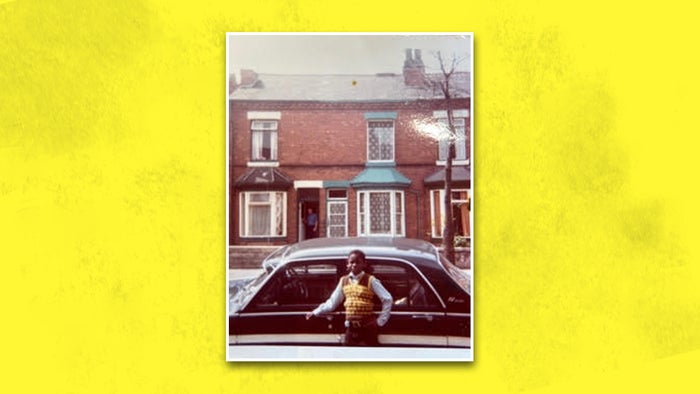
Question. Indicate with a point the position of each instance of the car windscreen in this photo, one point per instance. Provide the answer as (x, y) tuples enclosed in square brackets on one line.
[(241, 290), (458, 275)]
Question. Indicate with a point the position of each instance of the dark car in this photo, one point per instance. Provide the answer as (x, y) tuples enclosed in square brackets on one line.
[(432, 300)]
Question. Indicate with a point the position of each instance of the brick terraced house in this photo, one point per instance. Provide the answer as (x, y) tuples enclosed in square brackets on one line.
[(350, 148)]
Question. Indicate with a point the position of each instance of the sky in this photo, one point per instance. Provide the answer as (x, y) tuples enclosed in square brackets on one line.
[(325, 53)]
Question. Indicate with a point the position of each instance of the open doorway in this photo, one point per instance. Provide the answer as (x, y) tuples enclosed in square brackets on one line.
[(309, 215)]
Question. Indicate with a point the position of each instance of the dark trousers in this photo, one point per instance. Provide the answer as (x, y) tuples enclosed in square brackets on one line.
[(310, 233), (362, 334)]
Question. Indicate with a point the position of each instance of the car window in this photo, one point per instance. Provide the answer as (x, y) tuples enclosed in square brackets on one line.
[(406, 287), (298, 285)]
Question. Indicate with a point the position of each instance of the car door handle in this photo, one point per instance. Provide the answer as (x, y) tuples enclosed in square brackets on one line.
[(423, 317)]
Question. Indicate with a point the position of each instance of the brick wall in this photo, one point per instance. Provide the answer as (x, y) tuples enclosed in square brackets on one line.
[(333, 136), (328, 141), (248, 256)]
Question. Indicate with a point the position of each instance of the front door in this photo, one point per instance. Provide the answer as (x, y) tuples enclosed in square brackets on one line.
[(337, 223), (308, 205)]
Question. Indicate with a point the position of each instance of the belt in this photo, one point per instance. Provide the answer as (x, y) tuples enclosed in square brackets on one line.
[(358, 323)]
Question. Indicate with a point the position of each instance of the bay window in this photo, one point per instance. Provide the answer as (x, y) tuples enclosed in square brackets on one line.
[(381, 213), (461, 207), (263, 214)]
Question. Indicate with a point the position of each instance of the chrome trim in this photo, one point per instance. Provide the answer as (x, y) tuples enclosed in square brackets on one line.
[(339, 313), (416, 340), (408, 313), (289, 313), (454, 341), (408, 340), (288, 338)]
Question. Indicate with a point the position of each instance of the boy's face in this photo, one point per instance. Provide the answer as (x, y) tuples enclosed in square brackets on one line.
[(356, 264)]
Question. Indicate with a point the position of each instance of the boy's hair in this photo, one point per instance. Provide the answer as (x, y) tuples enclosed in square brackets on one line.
[(360, 254)]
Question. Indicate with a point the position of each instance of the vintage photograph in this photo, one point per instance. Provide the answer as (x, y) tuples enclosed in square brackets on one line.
[(350, 210)]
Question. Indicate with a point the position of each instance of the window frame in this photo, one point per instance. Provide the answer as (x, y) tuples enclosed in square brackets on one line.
[(441, 117), (245, 215), (274, 283), (336, 200), (274, 141), (459, 143), (393, 141), (436, 225), (434, 301), (364, 223), (411, 272)]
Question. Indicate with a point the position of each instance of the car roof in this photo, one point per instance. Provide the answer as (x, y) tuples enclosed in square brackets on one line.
[(419, 252)]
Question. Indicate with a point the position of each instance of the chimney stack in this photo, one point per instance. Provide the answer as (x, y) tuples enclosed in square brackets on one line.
[(248, 78), (413, 68)]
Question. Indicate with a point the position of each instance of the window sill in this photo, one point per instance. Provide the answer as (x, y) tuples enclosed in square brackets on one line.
[(263, 164), (263, 237), (381, 235), (380, 163), (442, 163)]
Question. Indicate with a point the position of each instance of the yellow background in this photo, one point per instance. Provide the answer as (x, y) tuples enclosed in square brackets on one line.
[(112, 178)]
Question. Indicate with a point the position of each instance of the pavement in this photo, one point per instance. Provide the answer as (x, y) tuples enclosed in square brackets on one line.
[(344, 353)]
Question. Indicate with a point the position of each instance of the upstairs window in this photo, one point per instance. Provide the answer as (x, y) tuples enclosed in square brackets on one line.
[(380, 140), (460, 140), (264, 140)]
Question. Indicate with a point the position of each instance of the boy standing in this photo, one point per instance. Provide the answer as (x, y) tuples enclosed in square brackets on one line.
[(358, 288)]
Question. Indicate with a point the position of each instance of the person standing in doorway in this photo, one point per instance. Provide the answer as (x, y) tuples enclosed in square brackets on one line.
[(311, 222)]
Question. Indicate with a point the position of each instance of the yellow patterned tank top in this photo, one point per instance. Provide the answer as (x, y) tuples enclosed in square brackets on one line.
[(358, 297)]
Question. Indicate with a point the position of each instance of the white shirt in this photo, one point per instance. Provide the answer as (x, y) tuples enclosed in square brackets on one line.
[(337, 297)]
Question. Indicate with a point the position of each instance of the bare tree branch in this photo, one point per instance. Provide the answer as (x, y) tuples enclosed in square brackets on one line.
[(448, 233)]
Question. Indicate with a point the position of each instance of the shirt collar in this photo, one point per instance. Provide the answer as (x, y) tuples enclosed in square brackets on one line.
[(356, 277)]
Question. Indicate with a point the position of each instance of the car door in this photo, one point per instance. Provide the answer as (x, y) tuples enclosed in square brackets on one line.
[(277, 313), (417, 314)]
